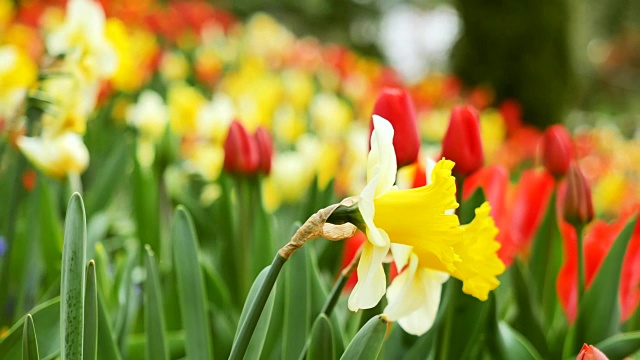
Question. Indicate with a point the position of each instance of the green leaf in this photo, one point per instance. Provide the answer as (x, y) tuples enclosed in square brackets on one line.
[(368, 341), (321, 342), (620, 346), (106, 337), (599, 311), (156, 347), (72, 284), (46, 320), (462, 312), (190, 287), (504, 343), (260, 333), (516, 346), (297, 305), (145, 207), (124, 286), (112, 171), (527, 320), (29, 340), (90, 344), (545, 262)]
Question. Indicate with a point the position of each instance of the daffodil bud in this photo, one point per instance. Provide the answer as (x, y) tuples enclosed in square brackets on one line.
[(590, 352), (396, 106), (240, 151), (265, 150), (462, 143), (578, 207), (557, 150)]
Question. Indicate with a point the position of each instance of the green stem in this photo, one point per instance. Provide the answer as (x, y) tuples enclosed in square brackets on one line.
[(248, 326), (245, 225)]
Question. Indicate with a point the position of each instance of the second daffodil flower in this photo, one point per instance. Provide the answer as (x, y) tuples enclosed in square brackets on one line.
[(425, 238)]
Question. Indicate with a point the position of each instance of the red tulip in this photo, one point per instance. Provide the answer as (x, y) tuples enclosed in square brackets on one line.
[(525, 212), (493, 180), (590, 352), (578, 207), (396, 106), (557, 150), (598, 239), (265, 150), (240, 151), (462, 143)]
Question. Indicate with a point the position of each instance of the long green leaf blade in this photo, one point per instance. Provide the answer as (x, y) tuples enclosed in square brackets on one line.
[(599, 310), (29, 341), (256, 343), (156, 345), (368, 341), (72, 284), (620, 346), (321, 343), (190, 288), (90, 344)]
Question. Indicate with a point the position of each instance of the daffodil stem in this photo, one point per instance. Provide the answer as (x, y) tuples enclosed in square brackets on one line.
[(248, 326), (581, 266)]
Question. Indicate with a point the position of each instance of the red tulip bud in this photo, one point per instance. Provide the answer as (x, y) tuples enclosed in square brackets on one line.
[(265, 150), (578, 208), (462, 143), (557, 150), (396, 106), (240, 151), (590, 352)]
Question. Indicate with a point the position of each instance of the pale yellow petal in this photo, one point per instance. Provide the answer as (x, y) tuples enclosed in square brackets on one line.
[(372, 282)]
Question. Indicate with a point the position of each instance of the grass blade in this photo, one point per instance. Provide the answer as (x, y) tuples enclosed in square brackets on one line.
[(72, 284), (90, 343), (156, 346), (190, 288), (29, 341)]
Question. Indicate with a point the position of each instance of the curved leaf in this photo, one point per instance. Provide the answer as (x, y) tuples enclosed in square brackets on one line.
[(190, 287), (29, 341), (368, 341)]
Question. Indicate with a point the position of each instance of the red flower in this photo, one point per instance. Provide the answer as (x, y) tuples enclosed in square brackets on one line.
[(493, 180), (396, 106), (462, 143), (557, 150), (578, 207), (524, 213), (598, 239), (240, 151), (590, 352), (265, 150)]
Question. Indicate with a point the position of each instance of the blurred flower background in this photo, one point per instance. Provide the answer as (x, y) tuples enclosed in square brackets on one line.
[(254, 114)]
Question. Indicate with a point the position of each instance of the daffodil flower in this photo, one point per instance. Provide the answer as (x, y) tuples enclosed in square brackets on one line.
[(425, 238)]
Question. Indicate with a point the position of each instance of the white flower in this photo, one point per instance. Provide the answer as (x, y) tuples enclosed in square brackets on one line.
[(149, 115), (57, 156)]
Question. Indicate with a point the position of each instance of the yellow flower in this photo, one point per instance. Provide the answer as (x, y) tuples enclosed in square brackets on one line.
[(57, 156), (82, 37), (425, 238), (479, 263), (17, 73), (184, 104)]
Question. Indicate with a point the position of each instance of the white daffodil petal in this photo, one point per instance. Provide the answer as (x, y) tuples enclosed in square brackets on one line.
[(421, 320), (401, 254), (382, 141), (406, 293), (371, 278)]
